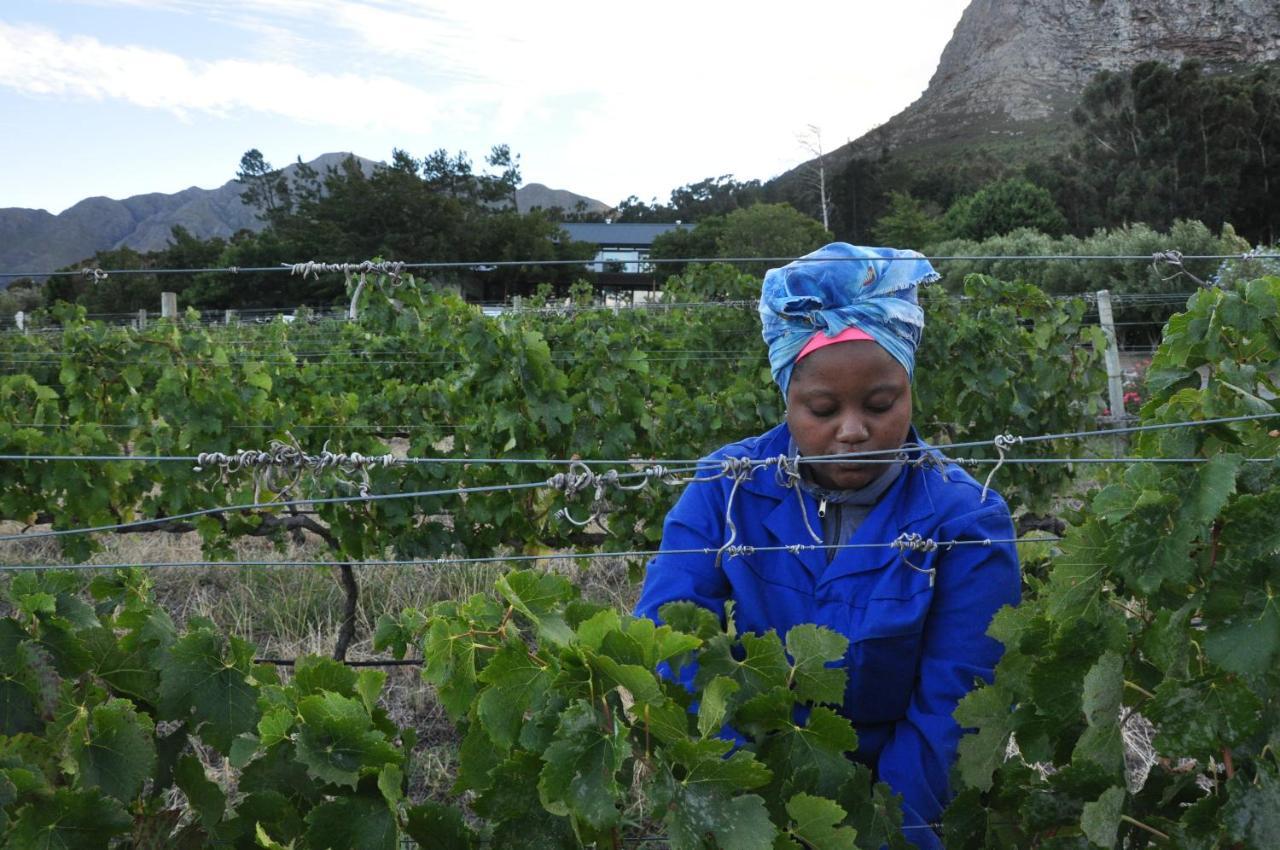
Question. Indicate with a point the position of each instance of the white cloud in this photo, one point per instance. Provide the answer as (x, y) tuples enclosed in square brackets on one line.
[(600, 98), (37, 61)]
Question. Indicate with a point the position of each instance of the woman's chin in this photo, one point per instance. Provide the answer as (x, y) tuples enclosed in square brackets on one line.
[(848, 476)]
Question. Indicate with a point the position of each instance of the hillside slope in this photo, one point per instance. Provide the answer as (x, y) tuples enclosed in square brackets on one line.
[(37, 241), (1013, 69)]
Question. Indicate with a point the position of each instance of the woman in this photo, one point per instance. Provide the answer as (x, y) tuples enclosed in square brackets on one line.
[(842, 325)]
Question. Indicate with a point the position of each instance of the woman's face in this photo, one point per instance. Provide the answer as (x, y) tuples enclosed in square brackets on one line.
[(849, 397)]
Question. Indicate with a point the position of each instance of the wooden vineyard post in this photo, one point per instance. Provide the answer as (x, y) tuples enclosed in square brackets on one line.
[(1115, 376), (169, 305)]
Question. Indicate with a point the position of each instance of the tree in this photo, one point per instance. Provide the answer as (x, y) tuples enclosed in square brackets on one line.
[(264, 187), (858, 197), (1157, 144), (906, 224), (713, 196), (770, 230), (761, 230), (816, 170), (1004, 206), (631, 209), (23, 294), (687, 243)]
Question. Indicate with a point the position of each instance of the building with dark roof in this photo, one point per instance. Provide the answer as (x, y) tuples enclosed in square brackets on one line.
[(623, 246)]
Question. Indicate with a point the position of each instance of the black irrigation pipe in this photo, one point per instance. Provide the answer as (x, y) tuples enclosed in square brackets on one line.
[(383, 662)]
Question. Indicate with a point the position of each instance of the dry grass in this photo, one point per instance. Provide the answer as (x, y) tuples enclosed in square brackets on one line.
[(287, 612)]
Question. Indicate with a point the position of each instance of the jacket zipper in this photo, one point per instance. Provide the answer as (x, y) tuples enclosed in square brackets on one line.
[(822, 508)]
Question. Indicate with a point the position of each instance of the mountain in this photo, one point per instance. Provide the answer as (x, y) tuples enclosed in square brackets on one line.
[(36, 241), (1014, 69), (532, 195)]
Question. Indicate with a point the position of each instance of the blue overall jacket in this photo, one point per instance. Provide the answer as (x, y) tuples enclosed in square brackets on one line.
[(917, 640)]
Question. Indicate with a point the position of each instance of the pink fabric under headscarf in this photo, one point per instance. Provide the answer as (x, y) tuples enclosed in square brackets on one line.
[(821, 340)]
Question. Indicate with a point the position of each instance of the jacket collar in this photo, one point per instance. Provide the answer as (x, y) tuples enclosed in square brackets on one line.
[(906, 503)]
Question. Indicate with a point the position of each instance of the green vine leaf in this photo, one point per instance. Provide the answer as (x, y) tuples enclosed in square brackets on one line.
[(816, 822), (208, 679), (203, 794), (812, 648), (715, 705), (69, 820), (1247, 643), (435, 826), (1252, 814), (580, 777), (1199, 718), (1100, 820), (337, 741), (515, 680), (540, 597), (115, 751), (699, 813), (361, 820), (1103, 691)]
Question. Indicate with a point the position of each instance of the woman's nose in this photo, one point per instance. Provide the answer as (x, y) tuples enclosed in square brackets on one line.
[(852, 430)]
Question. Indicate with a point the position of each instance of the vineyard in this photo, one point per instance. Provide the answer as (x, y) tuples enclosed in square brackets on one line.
[(1137, 703)]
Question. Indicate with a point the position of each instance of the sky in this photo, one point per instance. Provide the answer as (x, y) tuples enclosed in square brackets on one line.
[(124, 97)]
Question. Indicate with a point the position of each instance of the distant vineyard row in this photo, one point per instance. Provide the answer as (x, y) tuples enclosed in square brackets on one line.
[(1156, 616)]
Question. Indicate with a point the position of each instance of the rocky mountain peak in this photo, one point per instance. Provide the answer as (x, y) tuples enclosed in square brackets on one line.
[(1014, 66)]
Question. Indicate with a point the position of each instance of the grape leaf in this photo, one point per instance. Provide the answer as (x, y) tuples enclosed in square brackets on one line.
[(812, 648), (640, 682), (1103, 691), (715, 705), (243, 749), (116, 752), (128, 672), (347, 822), (435, 826), (708, 762), (1252, 814), (450, 655), (580, 775), (691, 619), (1247, 643), (540, 597), (391, 784), (369, 686), (592, 631), (816, 821), (337, 741), (203, 794), (1198, 719), (70, 820), (314, 674), (763, 666), (1165, 642), (201, 675), (1100, 820), (989, 709), (733, 823), (274, 727), (515, 681), (18, 711), (520, 819), (813, 757)]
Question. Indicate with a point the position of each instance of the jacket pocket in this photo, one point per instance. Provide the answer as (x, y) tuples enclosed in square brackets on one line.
[(884, 657)]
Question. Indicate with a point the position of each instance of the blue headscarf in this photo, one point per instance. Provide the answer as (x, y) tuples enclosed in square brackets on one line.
[(840, 286)]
